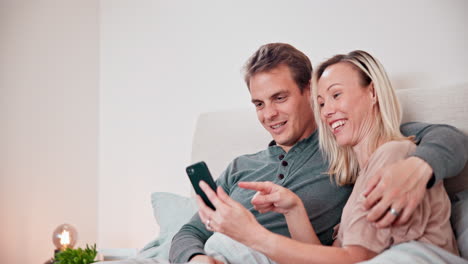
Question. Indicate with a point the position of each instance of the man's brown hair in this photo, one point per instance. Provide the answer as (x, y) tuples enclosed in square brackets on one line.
[(273, 55)]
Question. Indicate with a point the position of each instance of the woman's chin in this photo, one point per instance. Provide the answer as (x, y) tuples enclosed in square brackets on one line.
[(342, 140), (342, 143)]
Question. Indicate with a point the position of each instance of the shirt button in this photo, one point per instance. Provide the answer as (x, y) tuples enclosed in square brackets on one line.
[(284, 163), (281, 176), (281, 157)]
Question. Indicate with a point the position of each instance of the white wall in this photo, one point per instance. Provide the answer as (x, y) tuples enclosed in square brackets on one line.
[(164, 62), (48, 124)]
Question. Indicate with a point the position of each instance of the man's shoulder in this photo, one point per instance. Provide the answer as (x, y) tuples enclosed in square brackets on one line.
[(247, 159)]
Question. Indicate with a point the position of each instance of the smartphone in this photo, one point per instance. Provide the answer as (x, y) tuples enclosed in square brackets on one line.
[(197, 172)]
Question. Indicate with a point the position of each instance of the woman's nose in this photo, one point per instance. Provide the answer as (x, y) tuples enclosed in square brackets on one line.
[(328, 110)]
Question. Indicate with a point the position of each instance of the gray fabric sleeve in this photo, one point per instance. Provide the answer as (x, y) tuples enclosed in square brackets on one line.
[(189, 241), (443, 147), (191, 238)]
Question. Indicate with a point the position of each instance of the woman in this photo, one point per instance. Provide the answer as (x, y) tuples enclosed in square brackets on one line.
[(359, 131)]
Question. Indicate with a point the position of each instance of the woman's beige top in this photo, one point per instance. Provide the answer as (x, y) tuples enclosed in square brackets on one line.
[(429, 223)]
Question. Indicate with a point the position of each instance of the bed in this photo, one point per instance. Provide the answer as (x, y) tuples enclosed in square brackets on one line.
[(239, 132)]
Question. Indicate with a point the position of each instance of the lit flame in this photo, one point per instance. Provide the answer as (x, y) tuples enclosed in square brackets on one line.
[(65, 239)]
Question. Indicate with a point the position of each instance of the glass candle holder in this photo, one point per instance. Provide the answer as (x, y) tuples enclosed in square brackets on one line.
[(64, 236)]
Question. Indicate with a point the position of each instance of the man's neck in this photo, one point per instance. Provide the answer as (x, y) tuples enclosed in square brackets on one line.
[(289, 147)]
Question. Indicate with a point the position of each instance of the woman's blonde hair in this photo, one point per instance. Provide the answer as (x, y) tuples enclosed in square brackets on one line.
[(343, 162)]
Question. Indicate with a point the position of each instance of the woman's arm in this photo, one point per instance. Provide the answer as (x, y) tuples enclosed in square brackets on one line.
[(443, 147), (284, 250), (233, 220)]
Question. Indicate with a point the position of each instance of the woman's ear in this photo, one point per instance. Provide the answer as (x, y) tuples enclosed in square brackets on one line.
[(372, 93)]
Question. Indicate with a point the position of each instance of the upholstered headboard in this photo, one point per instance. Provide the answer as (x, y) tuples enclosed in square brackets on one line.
[(439, 106), (447, 105), (221, 136)]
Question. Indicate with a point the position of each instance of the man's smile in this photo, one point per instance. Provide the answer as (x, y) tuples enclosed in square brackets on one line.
[(278, 125)]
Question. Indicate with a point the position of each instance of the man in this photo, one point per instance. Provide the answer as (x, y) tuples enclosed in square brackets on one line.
[(278, 77)]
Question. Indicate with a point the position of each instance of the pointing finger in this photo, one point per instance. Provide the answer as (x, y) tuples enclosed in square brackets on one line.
[(264, 187), (265, 199)]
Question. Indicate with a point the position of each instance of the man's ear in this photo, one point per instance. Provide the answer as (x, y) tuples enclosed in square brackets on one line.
[(307, 89)]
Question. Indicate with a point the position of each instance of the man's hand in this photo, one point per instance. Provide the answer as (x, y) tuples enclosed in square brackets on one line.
[(400, 186), (230, 217), (205, 259)]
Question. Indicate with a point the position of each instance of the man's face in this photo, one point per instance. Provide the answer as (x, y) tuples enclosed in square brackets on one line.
[(283, 110)]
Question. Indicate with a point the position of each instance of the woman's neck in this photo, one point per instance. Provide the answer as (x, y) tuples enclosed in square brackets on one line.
[(368, 144), (363, 152)]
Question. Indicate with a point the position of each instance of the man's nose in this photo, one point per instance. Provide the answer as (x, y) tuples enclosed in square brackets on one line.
[(270, 112)]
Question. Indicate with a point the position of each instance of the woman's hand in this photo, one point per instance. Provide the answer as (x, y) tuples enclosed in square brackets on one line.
[(272, 197), (230, 217)]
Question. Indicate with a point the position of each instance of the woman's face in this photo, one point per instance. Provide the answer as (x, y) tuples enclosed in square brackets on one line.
[(345, 105)]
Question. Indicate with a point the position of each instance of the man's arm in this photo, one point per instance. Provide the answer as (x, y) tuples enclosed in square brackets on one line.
[(191, 238), (443, 147), (441, 153), (189, 241)]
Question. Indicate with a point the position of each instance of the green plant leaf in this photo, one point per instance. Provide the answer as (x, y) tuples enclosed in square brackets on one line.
[(77, 256)]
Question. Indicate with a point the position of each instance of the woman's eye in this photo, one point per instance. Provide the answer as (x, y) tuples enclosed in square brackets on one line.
[(336, 95), (321, 105)]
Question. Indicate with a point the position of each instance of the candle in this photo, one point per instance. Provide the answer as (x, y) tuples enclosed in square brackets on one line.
[(65, 239)]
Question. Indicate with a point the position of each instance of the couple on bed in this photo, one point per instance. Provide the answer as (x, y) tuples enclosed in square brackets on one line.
[(371, 189)]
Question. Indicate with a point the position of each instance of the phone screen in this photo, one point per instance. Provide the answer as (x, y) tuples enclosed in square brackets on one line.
[(199, 172)]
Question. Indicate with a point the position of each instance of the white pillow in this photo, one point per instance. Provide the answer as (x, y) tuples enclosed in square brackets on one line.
[(171, 211)]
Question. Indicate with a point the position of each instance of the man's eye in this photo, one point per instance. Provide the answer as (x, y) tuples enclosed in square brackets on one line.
[(258, 105), (336, 95), (280, 98)]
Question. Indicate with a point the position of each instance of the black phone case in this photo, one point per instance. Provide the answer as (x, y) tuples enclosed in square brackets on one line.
[(197, 172)]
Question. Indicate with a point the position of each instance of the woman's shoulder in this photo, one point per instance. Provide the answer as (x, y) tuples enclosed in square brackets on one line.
[(392, 151), (396, 146)]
